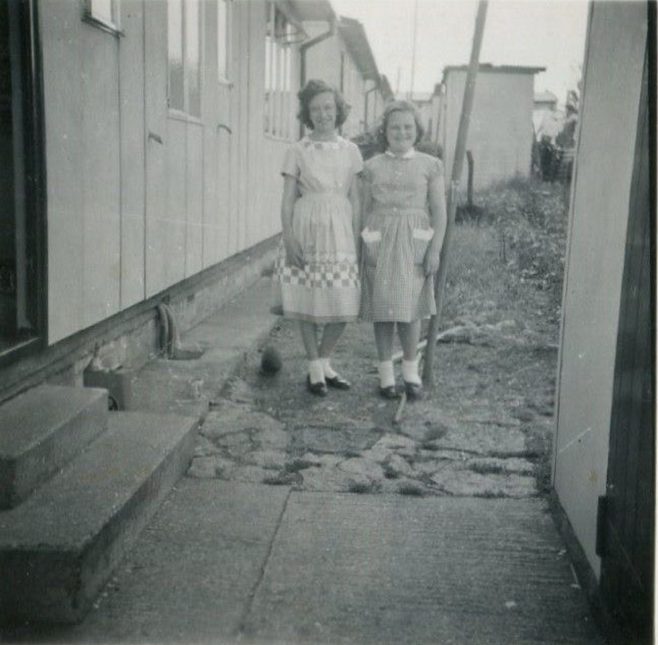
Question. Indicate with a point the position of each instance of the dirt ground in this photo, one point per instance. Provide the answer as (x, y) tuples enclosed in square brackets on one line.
[(484, 429)]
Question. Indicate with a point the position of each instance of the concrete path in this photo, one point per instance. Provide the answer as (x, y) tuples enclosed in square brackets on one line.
[(227, 562), (232, 562)]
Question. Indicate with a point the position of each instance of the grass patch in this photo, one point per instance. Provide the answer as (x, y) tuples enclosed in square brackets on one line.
[(413, 490), (296, 465), (362, 487)]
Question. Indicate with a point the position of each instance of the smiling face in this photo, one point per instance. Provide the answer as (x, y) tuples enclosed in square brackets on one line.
[(322, 111), (401, 132)]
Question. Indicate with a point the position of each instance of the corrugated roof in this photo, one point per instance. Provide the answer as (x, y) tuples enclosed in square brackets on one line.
[(357, 43)]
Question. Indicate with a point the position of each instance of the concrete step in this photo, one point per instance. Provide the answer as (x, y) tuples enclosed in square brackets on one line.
[(41, 431), (61, 545)]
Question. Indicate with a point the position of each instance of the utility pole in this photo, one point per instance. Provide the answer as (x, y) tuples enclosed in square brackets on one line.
[(458, 163), (413, 51)]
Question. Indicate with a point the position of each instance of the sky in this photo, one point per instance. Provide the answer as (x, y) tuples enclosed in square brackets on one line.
[(536, 33)]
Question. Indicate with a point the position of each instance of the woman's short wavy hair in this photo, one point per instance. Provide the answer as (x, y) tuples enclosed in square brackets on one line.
[(313, 88), (398, 106)]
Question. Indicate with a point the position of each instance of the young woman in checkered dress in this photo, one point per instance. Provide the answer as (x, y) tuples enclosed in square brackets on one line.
[(405, 213), (316, 278)]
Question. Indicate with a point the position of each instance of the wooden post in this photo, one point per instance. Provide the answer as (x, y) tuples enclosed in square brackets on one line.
[(458, 162), (469, 189)]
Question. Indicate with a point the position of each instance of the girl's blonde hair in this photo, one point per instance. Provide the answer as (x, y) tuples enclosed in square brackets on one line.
[(399, 106)]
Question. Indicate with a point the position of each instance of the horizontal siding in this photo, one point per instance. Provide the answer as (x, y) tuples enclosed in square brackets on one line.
[(139, 199)]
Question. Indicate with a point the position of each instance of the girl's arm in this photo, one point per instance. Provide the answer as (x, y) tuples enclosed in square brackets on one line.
[(439, 221), (355, 199), (294, 255)]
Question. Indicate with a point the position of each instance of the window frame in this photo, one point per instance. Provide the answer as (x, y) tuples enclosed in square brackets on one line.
[(93, 17), (184, 112), (279, 40), (227, 77)]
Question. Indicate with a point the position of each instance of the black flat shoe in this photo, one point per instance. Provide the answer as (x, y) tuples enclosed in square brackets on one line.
[(414, 391), (337, 382), (319, 388), (389, 392)]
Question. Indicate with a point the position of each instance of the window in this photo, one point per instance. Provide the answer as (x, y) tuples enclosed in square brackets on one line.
[(223, 40), (278, 74), (184, 53), (103, 14)]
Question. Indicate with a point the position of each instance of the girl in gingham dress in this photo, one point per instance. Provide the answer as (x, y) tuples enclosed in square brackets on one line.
[(404, 207), (316, 279)]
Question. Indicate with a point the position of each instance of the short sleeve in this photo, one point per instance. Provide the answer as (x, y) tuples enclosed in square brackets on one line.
[(291, 162), (436, 169), (356, 160)]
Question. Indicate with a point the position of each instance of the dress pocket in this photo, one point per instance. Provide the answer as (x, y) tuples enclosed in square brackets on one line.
[(371, 241), (421, 240)]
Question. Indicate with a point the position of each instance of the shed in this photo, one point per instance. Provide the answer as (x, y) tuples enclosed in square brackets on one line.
[(500, 134)]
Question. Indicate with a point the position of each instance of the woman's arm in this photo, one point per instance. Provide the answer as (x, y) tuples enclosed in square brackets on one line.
[(294, 255), (439, 221)]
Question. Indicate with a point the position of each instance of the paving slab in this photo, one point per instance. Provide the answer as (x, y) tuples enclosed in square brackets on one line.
[(391, 569), (190, 576)]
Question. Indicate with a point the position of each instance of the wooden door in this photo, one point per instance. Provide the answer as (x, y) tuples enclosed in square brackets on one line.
[(626, 525)]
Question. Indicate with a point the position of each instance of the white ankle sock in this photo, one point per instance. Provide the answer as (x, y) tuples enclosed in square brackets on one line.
[(315, 371), (386, 375), (327, 369), (410, 372)]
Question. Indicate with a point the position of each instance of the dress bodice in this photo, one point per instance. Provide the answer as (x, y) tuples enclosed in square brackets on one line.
[(323, 166), (399, 182)]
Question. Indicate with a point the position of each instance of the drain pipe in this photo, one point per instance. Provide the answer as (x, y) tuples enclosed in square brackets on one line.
[(303, 48)]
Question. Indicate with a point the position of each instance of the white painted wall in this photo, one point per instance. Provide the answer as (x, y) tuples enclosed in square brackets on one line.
[(323, 61), (500, 132), (140, 198), (599, 213)]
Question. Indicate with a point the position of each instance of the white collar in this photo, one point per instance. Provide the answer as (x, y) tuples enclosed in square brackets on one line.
[(409, 154)]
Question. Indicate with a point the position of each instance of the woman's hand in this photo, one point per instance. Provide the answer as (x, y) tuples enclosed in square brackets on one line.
[(432, 259), (294, 253)]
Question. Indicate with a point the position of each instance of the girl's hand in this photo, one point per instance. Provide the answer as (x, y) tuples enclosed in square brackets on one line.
[(294, 253), (432, 260)]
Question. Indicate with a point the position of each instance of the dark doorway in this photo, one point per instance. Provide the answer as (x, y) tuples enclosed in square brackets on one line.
[(22, 230), (627, 529)]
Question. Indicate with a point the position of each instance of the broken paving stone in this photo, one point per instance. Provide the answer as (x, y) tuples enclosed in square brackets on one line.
[(232, 417), (483, 439), (250, 474), (332, 439), (271, 438), (396, 467), (268, 459), (204, 447), (460, 482), (429, 467), (331, 479), (362, 467), (202, 468), (489, 465), (393, 443)]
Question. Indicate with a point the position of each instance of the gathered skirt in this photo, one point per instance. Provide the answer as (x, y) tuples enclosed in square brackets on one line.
[(395, 287), (327, 288)]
